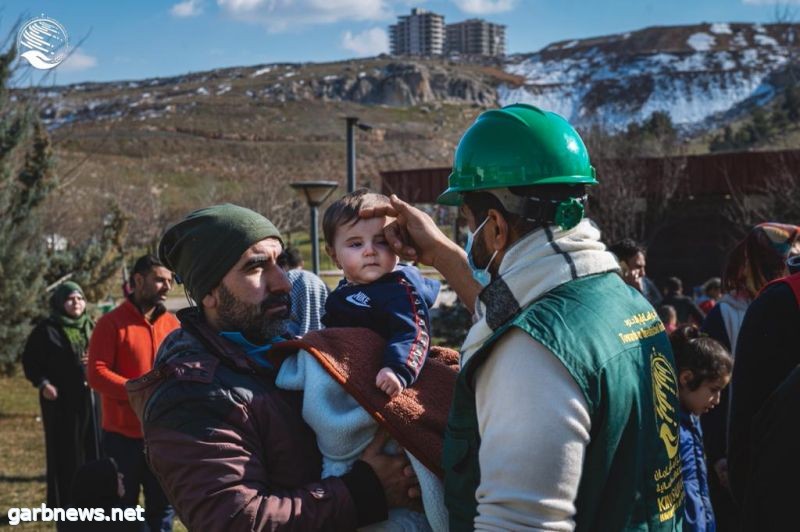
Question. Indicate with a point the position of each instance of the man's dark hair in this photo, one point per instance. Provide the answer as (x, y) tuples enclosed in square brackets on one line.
[(673, 285), (345, 211), (480, 202), (626, 248), (290, 258), (144, 264)]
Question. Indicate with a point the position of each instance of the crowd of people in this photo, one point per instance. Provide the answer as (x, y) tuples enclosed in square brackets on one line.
[(585, 396)]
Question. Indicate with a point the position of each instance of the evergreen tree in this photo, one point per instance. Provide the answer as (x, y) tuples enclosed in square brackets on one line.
[(791, 103), (94, 264), (759, 127), (25, 181)]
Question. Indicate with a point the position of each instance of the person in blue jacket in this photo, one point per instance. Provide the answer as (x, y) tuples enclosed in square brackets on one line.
[(376, 292), (704, 370)]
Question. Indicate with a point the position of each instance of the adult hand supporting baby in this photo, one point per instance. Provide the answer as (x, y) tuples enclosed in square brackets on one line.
[(400, 484)]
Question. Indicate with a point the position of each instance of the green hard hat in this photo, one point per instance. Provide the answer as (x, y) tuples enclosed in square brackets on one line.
[(518, 145)]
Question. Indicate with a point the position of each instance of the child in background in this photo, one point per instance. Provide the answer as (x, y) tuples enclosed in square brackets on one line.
[(712, 291), (376, 293), (669, 317), (704, 370)]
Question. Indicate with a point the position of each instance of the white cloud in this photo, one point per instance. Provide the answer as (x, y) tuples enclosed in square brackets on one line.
[(187, 8), (369, 42), (282, 15), (77, 61), (770, 2), (485, 7)]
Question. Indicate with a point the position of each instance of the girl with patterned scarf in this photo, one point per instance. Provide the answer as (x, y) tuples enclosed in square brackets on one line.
[(54, 359)]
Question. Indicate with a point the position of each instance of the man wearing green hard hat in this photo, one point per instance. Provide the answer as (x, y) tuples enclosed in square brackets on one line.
[(565, 409)]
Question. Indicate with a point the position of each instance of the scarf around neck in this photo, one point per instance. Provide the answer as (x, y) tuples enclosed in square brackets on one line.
[(532, 266), (77, 330)]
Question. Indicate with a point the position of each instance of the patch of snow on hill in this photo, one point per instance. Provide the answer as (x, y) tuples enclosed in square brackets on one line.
[(612, 89), (702, 42), (740, 40), (721, 28), (750, 58), (260, 71), (765, 40)]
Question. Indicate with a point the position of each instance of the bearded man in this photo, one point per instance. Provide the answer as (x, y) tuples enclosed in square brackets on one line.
[(230, 449)]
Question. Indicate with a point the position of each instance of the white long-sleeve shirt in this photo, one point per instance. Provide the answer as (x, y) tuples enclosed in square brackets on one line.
[(534, 426)]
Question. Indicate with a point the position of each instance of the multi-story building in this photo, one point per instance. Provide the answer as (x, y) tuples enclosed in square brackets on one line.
[(476, 37), (420, 33)]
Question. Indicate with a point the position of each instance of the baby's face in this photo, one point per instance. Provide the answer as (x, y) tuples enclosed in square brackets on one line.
[(362, 252)]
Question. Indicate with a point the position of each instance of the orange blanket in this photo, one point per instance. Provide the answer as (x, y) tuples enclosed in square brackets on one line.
[(417, 417)]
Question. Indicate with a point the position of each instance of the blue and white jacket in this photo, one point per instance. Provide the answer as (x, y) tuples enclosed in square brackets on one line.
[(698, 513), (396, 306)]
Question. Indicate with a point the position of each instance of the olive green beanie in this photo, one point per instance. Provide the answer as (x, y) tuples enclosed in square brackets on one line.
[(206, 244)]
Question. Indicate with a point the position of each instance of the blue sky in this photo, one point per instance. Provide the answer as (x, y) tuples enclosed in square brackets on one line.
[(134, 39)]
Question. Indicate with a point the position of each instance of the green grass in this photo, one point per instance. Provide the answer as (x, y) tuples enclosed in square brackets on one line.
[(22, 469)]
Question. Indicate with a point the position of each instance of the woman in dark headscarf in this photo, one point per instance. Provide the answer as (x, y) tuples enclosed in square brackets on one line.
[(755, 261), (54, 360)]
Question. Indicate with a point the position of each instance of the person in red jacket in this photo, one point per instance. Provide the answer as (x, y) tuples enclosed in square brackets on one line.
[(123, 347)]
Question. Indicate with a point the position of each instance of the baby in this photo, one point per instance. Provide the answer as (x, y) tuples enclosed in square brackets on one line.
[(376, 293), (392, 301)]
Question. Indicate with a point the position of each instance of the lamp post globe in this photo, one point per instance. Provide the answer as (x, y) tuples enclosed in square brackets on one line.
[(314, 193)]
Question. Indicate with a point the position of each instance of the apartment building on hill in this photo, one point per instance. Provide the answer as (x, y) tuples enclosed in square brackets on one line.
[(424, 33), (420, 33), (475, 37)]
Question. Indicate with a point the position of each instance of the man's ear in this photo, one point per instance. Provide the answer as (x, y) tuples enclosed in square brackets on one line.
[(138, 280), (332, 254), (685, 377), (500, 234), (211, 300)]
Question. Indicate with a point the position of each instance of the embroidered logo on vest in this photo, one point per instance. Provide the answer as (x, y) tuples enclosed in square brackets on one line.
[(669, 485)]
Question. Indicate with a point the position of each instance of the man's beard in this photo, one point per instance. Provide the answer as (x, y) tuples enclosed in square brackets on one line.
[(151, 300), (249, 319)]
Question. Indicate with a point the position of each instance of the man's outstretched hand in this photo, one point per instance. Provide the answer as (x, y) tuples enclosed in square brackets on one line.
[(413, 234)]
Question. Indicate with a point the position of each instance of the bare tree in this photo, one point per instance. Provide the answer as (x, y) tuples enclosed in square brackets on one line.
[(775, 196)]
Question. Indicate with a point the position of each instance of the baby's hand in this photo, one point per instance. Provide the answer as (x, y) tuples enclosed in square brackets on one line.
[(389, 382)]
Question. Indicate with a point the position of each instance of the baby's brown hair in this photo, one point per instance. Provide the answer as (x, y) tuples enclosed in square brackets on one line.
[(345, 210)]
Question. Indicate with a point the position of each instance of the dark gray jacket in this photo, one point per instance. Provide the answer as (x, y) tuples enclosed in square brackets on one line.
[(232, 451)]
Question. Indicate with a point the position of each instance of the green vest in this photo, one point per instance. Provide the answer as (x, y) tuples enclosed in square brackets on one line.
[(613, 344)]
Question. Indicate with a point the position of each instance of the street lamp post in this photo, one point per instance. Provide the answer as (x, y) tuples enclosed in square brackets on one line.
[(314, 192), (352, 121)]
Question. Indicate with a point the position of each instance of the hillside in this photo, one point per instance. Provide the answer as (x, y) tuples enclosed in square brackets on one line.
[(161, 147), (702, 75)]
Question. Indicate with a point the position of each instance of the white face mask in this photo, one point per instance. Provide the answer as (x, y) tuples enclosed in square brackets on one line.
[(479, 274)]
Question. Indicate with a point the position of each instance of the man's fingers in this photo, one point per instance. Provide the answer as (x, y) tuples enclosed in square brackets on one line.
[(377, 443), (399, 206), (381, 210)]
